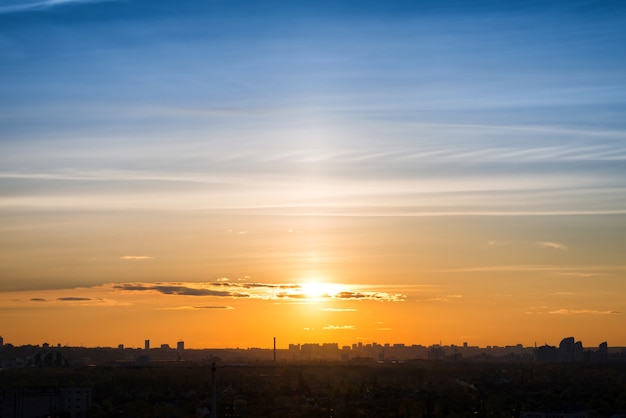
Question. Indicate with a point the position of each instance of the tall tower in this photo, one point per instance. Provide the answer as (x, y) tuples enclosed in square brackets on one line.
[(146, 345), (274, 349)]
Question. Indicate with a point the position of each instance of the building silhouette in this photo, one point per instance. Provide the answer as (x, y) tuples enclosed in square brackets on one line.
[(180, 349), (48, 358), (73, 402)]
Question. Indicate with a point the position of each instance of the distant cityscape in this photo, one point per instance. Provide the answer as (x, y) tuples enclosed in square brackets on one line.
[(568, 351), (314, 380)]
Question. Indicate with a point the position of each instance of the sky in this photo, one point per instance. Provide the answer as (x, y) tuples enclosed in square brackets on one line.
[(228, 171)]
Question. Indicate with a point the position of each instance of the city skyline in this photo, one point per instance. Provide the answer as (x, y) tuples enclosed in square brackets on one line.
[(223, 171), (277, 346)]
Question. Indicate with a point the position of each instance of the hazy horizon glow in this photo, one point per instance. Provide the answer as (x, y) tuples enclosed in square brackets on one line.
[(417, 171)]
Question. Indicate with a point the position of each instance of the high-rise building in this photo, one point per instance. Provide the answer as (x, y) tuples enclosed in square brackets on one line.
[(147, 345)]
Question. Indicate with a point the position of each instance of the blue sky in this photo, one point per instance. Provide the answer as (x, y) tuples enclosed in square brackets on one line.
[(145, 132), (342, 91)]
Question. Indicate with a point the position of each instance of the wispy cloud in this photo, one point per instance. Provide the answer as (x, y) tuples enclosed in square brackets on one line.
[(551, 244), (577, 274), (23, 6), (338, 327), (136, 257), (580, 271), (73, 299), (446, 298), (582, 312)]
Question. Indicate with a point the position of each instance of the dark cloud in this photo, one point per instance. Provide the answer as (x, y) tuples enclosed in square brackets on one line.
[(283, 295), (350, 295), (253, 290), (73, 299), (181, 290), (189, 291), (38, 300)]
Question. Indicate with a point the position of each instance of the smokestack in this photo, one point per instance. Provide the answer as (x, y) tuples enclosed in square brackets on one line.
[(274, 349), (213, 393)]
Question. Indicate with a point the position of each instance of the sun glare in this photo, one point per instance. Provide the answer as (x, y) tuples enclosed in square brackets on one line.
[(320, 290)]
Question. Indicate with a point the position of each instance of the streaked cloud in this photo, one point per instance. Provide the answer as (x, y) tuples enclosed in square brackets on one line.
[(582, 312), (573, 270), (338, 327), (13, 6), (137, 257), (73, 299), (551, 244), (444, 298), (580, 274)]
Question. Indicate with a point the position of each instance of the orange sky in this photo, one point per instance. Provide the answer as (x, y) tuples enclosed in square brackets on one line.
[(414, 280)]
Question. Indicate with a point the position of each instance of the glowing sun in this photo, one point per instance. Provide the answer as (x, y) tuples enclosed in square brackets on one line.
[(320, 290)]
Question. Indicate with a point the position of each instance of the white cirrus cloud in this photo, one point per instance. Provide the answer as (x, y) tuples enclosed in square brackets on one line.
[(136, 257), (581, 312), (24, 6), (551, 244), (339, 327)]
